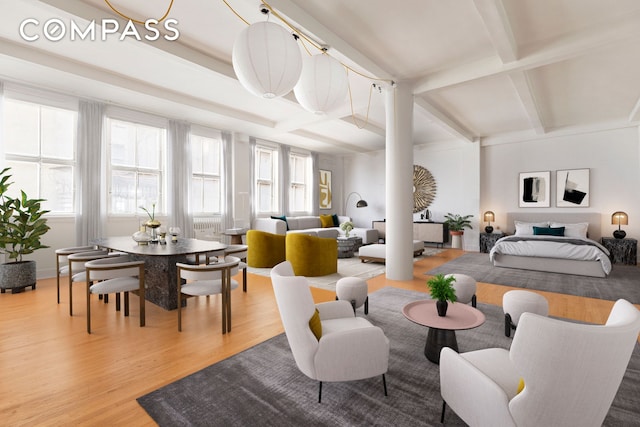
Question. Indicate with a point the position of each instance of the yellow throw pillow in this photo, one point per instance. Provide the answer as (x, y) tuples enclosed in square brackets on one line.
[(520, 385), (315, 324), (326, 221)]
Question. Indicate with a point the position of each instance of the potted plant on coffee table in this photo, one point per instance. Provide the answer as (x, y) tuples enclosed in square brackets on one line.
[(441, 290), (21, 227), (456, 224)]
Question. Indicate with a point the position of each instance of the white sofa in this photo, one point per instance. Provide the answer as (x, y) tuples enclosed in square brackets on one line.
[(311, 225)]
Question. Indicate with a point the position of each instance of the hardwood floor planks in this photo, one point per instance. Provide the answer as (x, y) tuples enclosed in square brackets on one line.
[(54, 373)]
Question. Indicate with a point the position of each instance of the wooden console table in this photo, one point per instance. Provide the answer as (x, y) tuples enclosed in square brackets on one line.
[(425, 231)]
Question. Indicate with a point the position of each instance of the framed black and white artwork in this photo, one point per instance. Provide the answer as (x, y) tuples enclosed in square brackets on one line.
[(534, 189), (572, 188)]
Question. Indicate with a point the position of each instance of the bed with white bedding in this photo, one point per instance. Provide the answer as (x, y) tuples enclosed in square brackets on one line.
[(558, 242)]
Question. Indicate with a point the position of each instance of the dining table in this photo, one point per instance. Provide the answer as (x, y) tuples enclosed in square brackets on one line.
[(161, 272)]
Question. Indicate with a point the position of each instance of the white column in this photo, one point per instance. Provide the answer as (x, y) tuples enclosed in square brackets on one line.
[(399, 181)]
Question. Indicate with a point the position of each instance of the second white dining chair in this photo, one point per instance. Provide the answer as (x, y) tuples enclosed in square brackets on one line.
[(206, 280)]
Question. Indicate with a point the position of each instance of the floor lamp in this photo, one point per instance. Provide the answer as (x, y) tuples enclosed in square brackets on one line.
[(359, 204)]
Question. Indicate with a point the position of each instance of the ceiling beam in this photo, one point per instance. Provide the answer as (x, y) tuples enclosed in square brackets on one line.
[(91, 13), (525, 92), (633, 116), (85, 71), (309, 23), (497, 25), (329, 141), (556, 51), (362, 123), (445, 121)]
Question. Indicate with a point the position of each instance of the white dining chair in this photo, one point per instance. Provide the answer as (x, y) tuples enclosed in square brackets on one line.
[(77, 269), (113, 275), (206, 280), (62, 264), (241, 252)]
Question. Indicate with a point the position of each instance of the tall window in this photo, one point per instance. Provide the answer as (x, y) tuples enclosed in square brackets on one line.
[(206, 184), (300, 182), (40, 143), (266, 172), (136, 167)]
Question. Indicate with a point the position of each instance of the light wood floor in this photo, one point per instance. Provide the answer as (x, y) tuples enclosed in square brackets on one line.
[(53, 373)]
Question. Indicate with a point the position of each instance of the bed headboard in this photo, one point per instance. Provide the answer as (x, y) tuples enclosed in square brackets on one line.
[(594, 219)]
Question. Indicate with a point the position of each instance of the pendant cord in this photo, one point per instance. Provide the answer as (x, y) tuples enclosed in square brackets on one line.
[(136, 20)]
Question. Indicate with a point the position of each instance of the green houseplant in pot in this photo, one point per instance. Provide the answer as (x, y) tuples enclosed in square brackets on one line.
[(441, 290), (456, 224), (21, 227)]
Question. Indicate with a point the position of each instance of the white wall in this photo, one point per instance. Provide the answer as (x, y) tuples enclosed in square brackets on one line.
[(455, 167), (472, 179), (613, 158)]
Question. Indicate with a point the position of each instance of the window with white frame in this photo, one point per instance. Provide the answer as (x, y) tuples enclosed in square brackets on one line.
[(266, 175), (206, 179), (40, 147), (299, 182), (136, 167)]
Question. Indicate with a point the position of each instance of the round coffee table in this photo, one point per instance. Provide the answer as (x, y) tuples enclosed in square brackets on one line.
[(442, 330)]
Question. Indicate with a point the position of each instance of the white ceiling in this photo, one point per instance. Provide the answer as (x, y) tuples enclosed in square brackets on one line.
[(481, 70)]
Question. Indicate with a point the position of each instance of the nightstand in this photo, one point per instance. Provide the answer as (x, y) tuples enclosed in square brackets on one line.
[(487, 240), (623, 251)]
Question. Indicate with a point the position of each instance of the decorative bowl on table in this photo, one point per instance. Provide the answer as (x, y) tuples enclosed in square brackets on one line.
[(141, 237)]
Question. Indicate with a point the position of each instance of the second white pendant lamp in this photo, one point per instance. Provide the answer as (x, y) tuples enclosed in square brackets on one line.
[(323, 84)]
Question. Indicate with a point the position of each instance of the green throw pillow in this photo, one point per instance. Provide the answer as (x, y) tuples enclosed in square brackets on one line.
[(336, 221), (284, 218), (548, 231), (315, 324)]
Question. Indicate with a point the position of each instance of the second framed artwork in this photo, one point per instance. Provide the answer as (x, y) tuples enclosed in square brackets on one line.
[(572, 188), (535, 189)]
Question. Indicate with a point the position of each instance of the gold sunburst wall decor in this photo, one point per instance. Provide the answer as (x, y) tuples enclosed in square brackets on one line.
[(424, 188)]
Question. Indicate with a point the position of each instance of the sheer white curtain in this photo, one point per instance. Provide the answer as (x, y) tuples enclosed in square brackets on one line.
[(284, 178), (180, 170), (315, 185), (252, 180), (89, 199), (1, 125), (227, 173)]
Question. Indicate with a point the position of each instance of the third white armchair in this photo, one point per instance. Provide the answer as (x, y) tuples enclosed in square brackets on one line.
[(569, 372)]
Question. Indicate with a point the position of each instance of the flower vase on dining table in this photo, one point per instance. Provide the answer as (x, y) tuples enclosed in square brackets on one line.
[(153, 225)]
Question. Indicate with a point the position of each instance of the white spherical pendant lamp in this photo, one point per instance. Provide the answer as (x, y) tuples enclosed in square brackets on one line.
[(267, 60), (322, 85)]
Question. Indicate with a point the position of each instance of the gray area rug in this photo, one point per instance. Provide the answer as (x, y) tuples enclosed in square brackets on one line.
[(262, 386), (623, 282)]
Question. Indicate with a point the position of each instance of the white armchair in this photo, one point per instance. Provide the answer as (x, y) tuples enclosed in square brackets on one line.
[(571, 373), (350, 348)]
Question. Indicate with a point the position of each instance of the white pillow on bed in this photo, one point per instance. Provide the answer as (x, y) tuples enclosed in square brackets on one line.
[(526, 228), (573, 230)]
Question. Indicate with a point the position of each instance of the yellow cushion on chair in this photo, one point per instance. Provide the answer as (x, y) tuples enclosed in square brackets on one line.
[(315, 324)]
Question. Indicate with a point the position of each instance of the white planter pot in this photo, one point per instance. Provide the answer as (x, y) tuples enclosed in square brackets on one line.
[(456, 241)]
